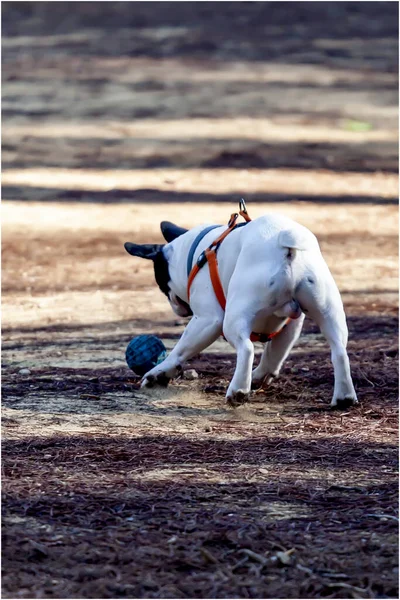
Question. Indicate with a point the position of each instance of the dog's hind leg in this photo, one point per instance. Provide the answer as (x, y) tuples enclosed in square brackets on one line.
[(200, 332), (320, 298), (275, 353)]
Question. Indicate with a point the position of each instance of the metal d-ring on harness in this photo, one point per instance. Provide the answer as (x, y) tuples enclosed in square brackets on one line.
[(210, 255)]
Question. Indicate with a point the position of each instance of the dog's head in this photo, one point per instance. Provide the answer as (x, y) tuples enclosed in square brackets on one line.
[(155, 252)]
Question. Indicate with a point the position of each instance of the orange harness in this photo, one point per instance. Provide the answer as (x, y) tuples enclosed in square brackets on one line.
[(210, 255)]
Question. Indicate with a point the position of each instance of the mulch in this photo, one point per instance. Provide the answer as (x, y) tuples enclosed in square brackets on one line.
[(305, 506)]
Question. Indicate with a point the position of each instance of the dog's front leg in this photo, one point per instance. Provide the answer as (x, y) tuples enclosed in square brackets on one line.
[(237, 331), (200, 332)]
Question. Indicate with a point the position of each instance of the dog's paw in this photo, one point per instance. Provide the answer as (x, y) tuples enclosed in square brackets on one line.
[(256, 383), (150, 381), (237, 398), (344, 403)]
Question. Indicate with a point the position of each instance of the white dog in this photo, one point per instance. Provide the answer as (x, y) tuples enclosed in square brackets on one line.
[(272, 272)]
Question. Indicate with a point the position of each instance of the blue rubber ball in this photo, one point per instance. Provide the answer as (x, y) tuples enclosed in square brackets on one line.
[(144, 352)]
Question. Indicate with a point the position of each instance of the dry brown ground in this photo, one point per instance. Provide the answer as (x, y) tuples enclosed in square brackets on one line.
[(111, 492), (169, 494)]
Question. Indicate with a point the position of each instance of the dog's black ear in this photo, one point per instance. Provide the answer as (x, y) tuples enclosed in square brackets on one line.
[(148, 251), (171, 231)]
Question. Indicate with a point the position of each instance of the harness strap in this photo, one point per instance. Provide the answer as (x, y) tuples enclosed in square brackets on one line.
[(205, 257), (201, 261), (243, 211), (231, 227), (196, 242), (192, 275), (210, 255), (267, 337)]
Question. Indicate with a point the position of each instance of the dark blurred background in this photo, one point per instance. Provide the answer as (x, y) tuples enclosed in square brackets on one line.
[(205, 85), (278, 31)]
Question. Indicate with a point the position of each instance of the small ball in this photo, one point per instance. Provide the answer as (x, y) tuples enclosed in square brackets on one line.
[(144, 352)]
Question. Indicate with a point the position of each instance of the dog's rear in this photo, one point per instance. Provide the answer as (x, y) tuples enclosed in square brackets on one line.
[(280, 272), (275, 255)]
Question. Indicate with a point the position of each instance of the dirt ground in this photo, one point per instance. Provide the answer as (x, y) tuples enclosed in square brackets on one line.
[(114, 119)]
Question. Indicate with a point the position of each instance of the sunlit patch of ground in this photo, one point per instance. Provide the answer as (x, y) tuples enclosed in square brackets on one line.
[(203, 180)]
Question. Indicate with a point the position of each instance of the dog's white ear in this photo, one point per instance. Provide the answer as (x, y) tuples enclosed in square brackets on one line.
[(148, 251), (171, 231)]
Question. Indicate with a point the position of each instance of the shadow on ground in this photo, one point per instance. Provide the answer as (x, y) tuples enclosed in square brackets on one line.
[(113, 521)]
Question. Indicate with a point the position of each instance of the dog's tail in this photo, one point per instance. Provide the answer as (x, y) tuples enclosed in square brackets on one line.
[(292, 240)]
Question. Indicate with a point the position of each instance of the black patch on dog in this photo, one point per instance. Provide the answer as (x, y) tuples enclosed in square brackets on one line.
[(171, 231), (155, 253), (148, 251), (161, 272)]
